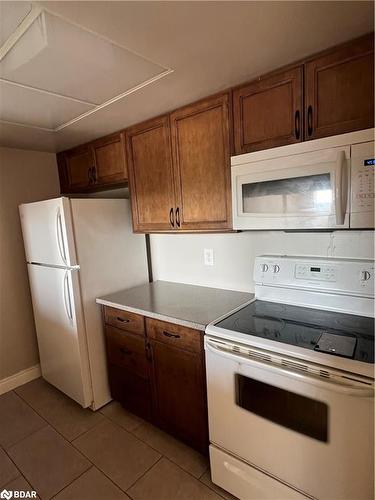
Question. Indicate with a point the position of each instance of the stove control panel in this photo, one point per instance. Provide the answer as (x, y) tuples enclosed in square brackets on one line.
[(353, 277), (316, 272)]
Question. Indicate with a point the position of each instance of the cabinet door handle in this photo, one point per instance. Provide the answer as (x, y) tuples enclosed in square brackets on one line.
[(125, 351), (309, 121), (178, 217), (297, 125), (171, 335), (89, 175), (171, 218), (122, 320)]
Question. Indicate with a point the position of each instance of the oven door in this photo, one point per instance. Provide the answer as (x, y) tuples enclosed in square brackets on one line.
[(302, 191), (306, 430)]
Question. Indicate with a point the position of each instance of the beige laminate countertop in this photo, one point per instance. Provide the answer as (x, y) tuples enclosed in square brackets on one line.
[(186, 305)]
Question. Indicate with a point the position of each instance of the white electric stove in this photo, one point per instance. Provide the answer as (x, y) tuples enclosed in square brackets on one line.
[(290, 382)]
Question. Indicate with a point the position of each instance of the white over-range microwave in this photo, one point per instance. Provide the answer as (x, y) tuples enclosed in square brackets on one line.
[(322, 184)]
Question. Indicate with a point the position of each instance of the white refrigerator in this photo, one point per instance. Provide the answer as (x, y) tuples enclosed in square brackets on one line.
[(77, 250)]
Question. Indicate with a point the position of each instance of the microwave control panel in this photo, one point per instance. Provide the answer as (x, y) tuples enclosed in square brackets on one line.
[(362, 185)]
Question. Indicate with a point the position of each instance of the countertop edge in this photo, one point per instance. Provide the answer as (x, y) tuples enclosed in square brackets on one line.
[(153, 315)]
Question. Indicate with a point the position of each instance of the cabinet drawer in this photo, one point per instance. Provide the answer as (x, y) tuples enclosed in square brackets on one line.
[(176, 335), (126, 350), (124, 320)]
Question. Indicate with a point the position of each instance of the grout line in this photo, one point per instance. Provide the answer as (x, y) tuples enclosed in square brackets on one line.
[(75, 479), (146, 472)]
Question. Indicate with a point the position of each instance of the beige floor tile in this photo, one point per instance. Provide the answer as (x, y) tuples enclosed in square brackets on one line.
[(92, 485), (206, 479), (48, 461), (17, 420), (175, 450), (116, 452), (166, 481), (20, 484), (120, 416), (8, 470), (64, 414)]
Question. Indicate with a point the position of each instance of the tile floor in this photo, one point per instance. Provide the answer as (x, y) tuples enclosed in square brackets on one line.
[(49, 444)]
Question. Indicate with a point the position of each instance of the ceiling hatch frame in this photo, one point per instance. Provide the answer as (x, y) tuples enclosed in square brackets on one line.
[(22, 28)]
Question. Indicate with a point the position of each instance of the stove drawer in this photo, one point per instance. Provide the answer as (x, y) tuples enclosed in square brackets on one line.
[(245, 482)]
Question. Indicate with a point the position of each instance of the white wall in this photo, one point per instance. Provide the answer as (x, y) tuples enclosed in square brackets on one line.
[(25, 176), (180, 257)]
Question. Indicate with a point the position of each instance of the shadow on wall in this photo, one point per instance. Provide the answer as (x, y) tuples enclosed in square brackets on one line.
[(25, 176)]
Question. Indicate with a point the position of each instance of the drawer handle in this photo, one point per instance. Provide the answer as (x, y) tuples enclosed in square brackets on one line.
[(122, 320), (173, 335), (125, 351)]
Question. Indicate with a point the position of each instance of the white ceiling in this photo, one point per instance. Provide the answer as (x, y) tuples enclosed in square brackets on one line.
[(111, 61)]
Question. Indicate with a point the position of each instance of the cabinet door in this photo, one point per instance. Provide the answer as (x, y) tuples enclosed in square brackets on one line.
[(179, 393), (339, 90), (128, 370), (110, 161), (79, 164), (151, 175), (268, 111), (201, 157)]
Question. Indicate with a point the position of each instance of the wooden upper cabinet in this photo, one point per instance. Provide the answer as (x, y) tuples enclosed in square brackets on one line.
[(339, 90), (268, 111), (201, 158), (93, 166), (75, 167), (110, 160), (151, 175)]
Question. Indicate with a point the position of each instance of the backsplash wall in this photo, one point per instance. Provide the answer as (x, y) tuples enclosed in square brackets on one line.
[(180, 258)]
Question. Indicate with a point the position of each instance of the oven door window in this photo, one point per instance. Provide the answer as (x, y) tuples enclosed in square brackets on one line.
[(310, 194), (299, 413)]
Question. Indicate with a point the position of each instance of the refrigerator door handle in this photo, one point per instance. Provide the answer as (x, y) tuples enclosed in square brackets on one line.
[(60, 236), (67, 299)]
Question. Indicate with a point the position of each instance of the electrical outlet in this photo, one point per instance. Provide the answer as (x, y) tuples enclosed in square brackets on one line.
[(208, 254)]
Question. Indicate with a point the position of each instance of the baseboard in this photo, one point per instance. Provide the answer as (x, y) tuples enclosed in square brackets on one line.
[(20, 378)]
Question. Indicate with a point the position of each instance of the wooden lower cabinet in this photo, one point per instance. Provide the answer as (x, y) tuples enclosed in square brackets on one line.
[(128, 370), (159, 375), (179, 393)]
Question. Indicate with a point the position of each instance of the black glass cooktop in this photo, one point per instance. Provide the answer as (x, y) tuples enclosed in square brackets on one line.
[(333, 333)]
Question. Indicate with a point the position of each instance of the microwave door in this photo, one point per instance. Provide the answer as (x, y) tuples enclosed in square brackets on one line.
[(312, 195)]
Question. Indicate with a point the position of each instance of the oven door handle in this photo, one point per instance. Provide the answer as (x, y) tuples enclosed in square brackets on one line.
[(336, 386)]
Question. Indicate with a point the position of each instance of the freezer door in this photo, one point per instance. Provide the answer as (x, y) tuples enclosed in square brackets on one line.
[(47, 232), (60, 331)]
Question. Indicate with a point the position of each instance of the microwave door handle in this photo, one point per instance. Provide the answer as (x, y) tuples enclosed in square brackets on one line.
[(340, 387), (340, 188)]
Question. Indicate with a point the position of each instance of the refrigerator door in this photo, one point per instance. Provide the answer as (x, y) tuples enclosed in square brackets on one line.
[(60, 331), (111, 258), (47, 232)]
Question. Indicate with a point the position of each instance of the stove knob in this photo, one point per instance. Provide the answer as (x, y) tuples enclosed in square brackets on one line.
[(264, 268), (365, 275), (276, 268)]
